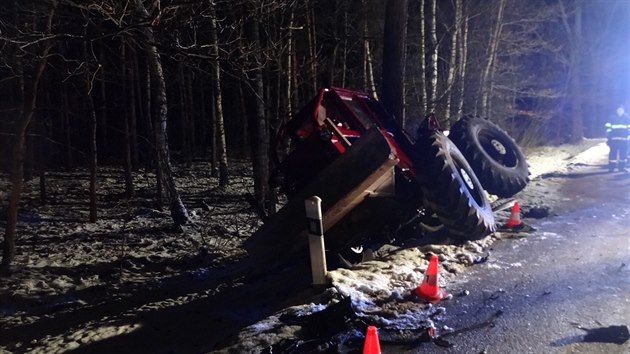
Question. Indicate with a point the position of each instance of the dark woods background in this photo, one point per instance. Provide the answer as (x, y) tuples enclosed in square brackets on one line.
[(90, 83)]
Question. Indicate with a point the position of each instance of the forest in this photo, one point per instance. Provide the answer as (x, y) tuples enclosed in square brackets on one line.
[(148, 85)]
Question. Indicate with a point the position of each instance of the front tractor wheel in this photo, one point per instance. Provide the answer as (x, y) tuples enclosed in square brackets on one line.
[(451, 188)]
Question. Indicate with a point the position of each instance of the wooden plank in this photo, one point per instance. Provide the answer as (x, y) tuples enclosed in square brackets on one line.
[(343, 181), (356, 196)]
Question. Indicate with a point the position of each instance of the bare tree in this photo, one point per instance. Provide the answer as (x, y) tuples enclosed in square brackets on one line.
[(126, 147), (32, 75), (452, 64), (423, 59), (463, 56), (219, 125), (434, 57), (312, 45), (132, 85), (184, 118), (176, 206), (491, 56), (258, 122), (573, 28), (369, 83), (289, 65), (152, 123), (88, 85), (102, 110), (393, 92), (65, 122)]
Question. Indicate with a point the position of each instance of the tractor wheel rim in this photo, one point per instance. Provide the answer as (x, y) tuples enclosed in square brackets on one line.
[(467, 179), (498, 146)]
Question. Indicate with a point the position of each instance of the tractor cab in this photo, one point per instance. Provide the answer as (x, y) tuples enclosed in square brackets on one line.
[(328, 126)]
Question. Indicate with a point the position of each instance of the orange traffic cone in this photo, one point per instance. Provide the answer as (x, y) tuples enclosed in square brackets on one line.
[(429, 289), (515, 217), (371, 345)]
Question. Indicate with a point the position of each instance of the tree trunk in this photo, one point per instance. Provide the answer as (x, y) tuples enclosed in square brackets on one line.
[(177, 208), (218, 104), (245, 133), (152, 135), (423, 60), (312, 46), (214, 160), (151, 153), (134, 94), (274, 91), (93, 164), (434, 57), (294, 75), (600, 85), (93, 127), (344, 51), (103, 139), (29, 103), (65, 116), (43, 154), (190, 113), (463, 61), (183, 116), (143, 133), (369, 84), (203, 112), (126, 122), (575, 61), (450, 80), (260, 139), (159, 176), (273, 123), (289, 72), (333, 59), (488, 72), (29, 155), (393, 90)]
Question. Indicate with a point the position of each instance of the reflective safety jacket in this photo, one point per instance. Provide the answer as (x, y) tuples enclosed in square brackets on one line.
[(618, 127)]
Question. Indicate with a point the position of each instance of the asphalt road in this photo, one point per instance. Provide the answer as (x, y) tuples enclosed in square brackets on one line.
[(538, 294)]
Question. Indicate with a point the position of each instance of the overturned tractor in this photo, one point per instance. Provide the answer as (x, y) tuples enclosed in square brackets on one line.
[(377, 180)]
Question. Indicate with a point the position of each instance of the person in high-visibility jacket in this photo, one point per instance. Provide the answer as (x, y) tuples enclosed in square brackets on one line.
[(618, 133)]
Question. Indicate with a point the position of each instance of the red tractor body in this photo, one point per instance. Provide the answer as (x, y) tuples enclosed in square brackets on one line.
[(329, 125)]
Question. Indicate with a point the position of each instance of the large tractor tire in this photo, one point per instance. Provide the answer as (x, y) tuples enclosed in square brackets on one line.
[(494, 156), (451, 189)]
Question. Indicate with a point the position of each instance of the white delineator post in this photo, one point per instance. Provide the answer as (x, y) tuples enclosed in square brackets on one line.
[(313, 206)]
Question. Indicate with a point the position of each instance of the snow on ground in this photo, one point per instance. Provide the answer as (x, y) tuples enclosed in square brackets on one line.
[(563, 158), (382, 290), (64, 264)]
